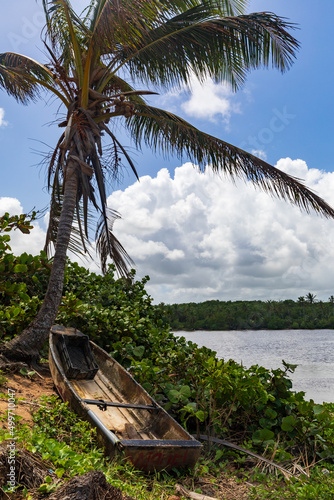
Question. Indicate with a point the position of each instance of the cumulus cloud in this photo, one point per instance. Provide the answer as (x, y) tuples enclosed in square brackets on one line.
[(209, 100), (2, 118), (205, 100), (31, 243), (201, 237)]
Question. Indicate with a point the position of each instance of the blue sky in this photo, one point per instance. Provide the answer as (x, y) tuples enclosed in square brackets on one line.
[(219, 247)]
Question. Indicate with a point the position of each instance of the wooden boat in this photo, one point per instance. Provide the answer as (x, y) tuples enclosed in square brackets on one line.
[(127, 419)]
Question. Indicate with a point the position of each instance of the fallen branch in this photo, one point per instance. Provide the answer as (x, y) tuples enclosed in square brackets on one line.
[(40, 376), (191, 494), (215, 440)]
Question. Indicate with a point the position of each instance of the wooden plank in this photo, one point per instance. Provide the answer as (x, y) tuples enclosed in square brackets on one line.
[(132, 432), (128, 415), (110, 418), (114, 418), (66, 330), (88, 389)]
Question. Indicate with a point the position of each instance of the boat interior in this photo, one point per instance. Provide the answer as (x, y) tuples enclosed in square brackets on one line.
[(111, 383)]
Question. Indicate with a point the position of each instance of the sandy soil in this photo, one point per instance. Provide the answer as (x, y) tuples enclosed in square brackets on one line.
[(28, 391)]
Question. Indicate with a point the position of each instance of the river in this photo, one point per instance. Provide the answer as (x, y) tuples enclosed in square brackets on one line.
[(311, 350)]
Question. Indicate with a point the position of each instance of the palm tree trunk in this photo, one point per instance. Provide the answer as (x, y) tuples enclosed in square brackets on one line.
[(26, 346)]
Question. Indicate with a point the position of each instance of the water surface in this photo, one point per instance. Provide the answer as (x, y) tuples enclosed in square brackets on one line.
[(311, 350)]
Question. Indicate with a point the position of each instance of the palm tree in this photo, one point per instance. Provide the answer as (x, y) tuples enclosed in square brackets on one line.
[(95, 63), (310, 298)]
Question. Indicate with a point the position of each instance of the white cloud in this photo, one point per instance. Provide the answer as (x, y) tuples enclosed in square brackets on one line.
[(200, 237), (2, 116), (209, 100), (31, 243), (260, 153), (204, 100), (10, 205)]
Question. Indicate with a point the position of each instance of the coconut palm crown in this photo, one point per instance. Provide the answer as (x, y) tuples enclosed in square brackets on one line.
[(100, 66)]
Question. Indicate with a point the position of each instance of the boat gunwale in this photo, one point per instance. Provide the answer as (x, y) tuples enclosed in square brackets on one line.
[(191, 442)]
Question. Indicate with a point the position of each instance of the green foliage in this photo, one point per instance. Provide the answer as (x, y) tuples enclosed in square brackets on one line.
[(56, 421), (3, 378), (21, 222), (319, 486), (252, 315), (23, 279)]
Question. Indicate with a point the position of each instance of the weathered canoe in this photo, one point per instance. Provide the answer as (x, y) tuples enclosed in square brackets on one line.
[(127, 419)]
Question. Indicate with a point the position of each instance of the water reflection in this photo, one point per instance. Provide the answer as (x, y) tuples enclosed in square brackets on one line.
[(311, 350)]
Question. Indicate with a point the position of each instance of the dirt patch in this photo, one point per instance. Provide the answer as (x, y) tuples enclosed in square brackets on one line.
[(27, 391), (226, 487), (230, 489)]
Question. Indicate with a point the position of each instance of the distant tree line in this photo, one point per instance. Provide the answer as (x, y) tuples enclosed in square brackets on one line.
[(307, 312)]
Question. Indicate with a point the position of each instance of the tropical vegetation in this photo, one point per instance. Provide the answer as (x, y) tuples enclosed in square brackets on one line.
[(305, 313), (97, 65)]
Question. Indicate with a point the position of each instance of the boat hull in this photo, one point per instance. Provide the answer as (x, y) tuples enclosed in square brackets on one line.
[(150, 438)]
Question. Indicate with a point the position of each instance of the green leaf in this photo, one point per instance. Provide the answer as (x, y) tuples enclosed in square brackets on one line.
[(262, 435), (16, 311), (288, 423), (20, 268), (219, 454), (173, 396), (43, 488), (317, 409), (270, 413), (24, 229), (60, 472), (289, 367), (138, 351), (265, 422), (185, 391), (200, 415)]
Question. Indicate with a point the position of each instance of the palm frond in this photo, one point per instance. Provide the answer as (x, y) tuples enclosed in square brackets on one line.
[(121, 148), (117, 21), (120, 22), (66, 32), (108, 245), (23, 77), (223, 7), (79, 243), (170, 134), (198, 42), (115, 84)]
